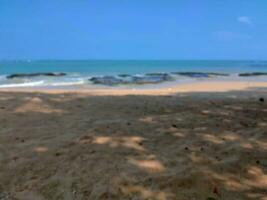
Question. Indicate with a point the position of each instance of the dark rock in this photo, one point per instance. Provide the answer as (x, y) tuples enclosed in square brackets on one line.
[(258, 162), (152, 78), (34, 75), (218, 74), (163, 76), (199, 74), (124, 75), (174, 126), (129, 79), (253, 74), (186, 148), (156, 74), (107, 80), (261, 99)]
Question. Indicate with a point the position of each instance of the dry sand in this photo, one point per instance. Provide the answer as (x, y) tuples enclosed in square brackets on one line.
[(183, 143)]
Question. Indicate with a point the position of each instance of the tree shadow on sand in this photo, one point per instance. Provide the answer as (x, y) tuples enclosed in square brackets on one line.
[(183, 146)]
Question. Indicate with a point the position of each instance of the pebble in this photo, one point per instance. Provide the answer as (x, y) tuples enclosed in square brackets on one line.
[(261, 99), (58, 154), (216, 191), (15, 158), (210, 198)]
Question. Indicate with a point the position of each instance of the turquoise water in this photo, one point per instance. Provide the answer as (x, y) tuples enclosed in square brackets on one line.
[(100, 67), (79, 71)]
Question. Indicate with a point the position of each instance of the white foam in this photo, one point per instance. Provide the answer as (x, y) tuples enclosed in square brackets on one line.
[(43, 83), (65, 83), (29, 84)]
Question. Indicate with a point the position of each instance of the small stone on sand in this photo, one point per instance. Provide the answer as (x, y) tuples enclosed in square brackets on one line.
[(58, 154), (210, 198)]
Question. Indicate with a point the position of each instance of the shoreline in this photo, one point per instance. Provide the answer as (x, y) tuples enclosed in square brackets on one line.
[(198, 86), (153, 80)]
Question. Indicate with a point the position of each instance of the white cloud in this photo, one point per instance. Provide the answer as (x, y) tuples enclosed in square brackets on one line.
[(244, 20), (229, 35)]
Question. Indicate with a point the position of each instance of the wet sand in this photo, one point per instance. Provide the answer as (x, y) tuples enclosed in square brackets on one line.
[(194, 141)]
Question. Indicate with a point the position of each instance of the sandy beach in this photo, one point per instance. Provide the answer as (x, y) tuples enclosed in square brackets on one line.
[(198, 141)]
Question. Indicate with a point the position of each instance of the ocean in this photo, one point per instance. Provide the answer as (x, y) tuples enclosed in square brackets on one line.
[(119, 72)]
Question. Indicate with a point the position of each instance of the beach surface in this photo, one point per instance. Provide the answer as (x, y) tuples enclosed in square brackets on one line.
[(197, 141)]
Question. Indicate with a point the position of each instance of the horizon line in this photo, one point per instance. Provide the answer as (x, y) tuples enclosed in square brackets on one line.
[(106, 59)]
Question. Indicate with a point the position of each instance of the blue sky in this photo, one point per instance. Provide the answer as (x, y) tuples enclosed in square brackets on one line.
[(133, 29)]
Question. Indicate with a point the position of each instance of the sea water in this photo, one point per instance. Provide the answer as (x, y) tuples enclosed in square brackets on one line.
[(79, 72)]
